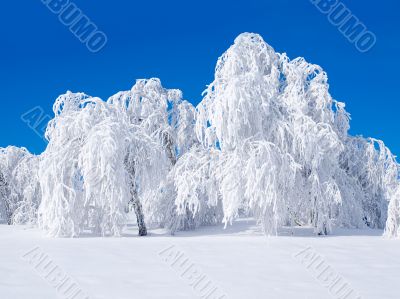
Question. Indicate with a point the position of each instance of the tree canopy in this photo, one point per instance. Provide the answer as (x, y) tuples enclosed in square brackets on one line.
[(267, 141)]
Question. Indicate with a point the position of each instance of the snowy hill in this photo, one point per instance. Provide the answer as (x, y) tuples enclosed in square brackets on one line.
[(240, 261)]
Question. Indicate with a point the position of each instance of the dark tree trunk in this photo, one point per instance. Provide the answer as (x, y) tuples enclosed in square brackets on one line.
[(169, 145), (8, 214), (137, 206)]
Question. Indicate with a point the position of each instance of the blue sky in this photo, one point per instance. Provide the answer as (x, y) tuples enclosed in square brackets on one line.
[(179, 42)]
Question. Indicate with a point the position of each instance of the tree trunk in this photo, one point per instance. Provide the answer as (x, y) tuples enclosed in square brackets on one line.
[(137, 206), (188, 223), (169, 145), (8, 214)]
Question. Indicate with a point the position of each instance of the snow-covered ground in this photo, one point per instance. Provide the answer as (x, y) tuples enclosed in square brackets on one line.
[(240, 261)]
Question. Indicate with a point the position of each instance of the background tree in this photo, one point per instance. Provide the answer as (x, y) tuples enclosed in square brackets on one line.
[(19, 186)]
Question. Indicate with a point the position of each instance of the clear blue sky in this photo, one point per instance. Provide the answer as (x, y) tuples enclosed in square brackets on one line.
[(179, 42)]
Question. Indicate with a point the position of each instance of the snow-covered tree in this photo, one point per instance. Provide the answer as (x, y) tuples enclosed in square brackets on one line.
[(267, 141), (189, 197), (4, 210), (286, 141), (104, 156), (19, 186), (273, 117), (168, 120), (392, 228), (84, 182)]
